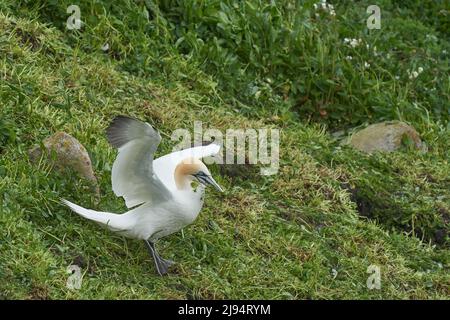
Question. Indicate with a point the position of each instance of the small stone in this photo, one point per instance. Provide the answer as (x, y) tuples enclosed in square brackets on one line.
[(70, 153), (386, 137)]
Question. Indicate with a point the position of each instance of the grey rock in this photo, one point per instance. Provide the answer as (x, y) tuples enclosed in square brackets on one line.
[(386, 137), (69, 153)]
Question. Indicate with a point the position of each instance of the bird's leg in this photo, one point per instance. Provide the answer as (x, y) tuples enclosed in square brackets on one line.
[(162, 265)]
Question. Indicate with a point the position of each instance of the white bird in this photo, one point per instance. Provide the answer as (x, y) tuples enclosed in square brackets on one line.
[(157, 192)]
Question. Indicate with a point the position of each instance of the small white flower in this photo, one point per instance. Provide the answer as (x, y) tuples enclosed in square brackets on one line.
[(348, 58), (397, 78), (352, 42), (413, 75), (324, 6), (355, 42), (334, 273), (366, 65)]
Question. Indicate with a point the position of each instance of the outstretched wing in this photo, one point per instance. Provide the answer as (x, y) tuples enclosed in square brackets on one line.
[(133, 177), (165, 165)]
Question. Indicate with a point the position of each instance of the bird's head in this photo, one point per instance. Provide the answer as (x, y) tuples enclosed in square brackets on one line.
[(192, 169)]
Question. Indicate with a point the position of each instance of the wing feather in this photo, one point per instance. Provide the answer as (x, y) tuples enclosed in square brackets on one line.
[(133, 177)]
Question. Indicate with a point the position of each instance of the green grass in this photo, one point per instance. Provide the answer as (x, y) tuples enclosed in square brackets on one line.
[(309, 232)]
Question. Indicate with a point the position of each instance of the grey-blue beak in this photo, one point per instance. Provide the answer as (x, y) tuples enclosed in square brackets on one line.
[(207, 180)]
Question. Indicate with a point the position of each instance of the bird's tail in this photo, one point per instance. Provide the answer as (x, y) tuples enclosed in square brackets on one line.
[(114, 222)]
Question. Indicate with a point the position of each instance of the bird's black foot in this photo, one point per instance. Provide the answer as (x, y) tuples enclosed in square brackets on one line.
[(162, 265)]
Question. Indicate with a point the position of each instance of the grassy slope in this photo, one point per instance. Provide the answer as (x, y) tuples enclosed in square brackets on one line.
[(265, 237)]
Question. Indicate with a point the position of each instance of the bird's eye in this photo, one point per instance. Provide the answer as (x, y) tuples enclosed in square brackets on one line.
[(201, 177)]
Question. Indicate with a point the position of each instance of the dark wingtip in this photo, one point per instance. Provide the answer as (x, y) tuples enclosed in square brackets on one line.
[(124, 129), (117, 128)]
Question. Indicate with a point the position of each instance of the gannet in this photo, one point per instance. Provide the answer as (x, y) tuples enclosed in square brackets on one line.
[(158, 192)]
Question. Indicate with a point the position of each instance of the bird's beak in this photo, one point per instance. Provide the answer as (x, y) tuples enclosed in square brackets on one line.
[(209, 180)]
